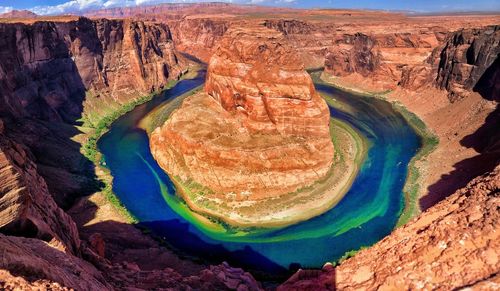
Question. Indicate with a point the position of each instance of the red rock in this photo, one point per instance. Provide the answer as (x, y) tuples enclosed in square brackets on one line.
[(258, 132), (26, 207), (97, 244)]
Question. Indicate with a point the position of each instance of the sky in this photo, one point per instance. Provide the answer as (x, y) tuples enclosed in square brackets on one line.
[(74, 6)]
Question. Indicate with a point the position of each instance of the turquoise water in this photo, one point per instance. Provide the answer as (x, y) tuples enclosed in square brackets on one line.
[(367, 213)]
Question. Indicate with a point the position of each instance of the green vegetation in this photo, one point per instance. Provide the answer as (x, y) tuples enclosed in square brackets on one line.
[(348, 254), (412, 186), (99, 126)]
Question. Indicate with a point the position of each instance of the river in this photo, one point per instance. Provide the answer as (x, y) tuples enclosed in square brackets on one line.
[(367, 213)]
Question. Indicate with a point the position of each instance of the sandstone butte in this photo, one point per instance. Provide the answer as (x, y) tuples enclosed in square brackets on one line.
[(257, 133)]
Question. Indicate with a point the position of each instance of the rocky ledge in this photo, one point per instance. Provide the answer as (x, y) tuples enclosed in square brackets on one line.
[(258, 132)]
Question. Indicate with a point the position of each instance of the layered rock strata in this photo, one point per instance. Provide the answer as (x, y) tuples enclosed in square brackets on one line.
[(54, 75), (258, 131), (47, 67), (26, 206), (470, 60)]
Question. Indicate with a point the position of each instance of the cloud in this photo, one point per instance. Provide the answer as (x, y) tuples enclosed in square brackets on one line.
[(79, 6), (68, 7), (4, 9)]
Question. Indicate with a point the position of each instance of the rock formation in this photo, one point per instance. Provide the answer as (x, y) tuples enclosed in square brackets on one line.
[(26, 206), (256, 72), (259, 131), (53, 74), (47, 66), (464, 59), (452, 245), (29, 264), (198, 36), (360, 58)]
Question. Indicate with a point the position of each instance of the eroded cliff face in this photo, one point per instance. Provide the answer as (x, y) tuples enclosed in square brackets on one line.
[(361, 58), (258, 131), (54, 75), (198, 36), (464, 60), (454, 244), (26, 206), (47, 67), (257, 73), (29, 264), (381, 58)]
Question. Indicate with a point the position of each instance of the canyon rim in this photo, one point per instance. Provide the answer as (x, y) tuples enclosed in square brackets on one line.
[(206, 146)]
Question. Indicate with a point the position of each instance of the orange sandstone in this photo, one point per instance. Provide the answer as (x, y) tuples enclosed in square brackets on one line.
[(259, 131)]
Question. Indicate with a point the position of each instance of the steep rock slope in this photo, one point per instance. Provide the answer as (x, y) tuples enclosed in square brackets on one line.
[(259, 131), (198, 36), (256, 72), (28, 263), (464, 60), (453, 244), (54, 74), (46, 67), (26, 206)]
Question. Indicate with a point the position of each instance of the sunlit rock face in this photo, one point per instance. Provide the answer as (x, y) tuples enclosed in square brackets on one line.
[(258, 131), (257, 73)]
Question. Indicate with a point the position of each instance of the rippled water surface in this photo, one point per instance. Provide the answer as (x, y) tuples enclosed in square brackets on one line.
[(367, 213)]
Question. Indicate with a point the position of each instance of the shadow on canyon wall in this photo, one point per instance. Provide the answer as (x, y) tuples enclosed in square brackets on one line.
[(485, 141), (41, 102)]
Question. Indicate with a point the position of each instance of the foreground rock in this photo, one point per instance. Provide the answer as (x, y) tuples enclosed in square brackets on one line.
[(454, 244), (26, 206), (258, 131)]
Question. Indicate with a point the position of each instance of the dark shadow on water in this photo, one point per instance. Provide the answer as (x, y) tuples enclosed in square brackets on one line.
[(170, 244), (181, 239)]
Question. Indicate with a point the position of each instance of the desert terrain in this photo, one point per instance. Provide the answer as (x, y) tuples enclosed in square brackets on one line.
[(65, 79)]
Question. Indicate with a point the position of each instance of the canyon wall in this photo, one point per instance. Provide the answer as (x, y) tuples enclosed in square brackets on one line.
[(470, 60), (198, 36), (26, 206), (54, 75), (47, 67)]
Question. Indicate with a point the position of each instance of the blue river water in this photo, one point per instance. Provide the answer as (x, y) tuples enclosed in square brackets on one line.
[(367, 213)]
